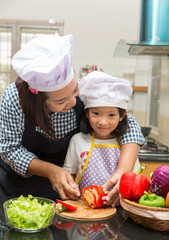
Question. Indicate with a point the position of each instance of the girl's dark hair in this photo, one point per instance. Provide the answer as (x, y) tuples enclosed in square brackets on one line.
[(119, 131), (34, 107)]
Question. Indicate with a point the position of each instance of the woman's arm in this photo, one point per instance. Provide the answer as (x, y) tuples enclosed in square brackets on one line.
[(130, 145), (16, 155), (12, 122), (128, 157), (134, 134), (129, 153), (61, 180)]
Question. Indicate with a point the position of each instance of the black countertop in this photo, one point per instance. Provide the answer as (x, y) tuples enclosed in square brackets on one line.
[(118, 227)]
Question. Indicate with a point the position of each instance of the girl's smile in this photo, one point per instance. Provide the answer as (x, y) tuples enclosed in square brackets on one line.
[(104, 120)]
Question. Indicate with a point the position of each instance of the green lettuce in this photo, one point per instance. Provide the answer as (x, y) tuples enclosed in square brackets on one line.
[(29, 213)]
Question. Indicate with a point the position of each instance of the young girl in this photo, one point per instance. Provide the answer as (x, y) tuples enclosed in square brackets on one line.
[(95, 152)]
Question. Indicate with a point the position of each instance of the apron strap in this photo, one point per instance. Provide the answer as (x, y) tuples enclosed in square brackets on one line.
[(87, 159), (92, 146)]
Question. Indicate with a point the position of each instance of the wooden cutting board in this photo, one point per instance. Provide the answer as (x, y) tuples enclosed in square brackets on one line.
[(86, 213)]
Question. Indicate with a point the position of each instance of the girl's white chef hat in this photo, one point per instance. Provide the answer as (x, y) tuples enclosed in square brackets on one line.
[(45, 63), (99, 89)]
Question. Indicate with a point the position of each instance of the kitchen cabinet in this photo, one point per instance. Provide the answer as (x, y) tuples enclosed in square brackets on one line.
[(139, 88), (151, 166)]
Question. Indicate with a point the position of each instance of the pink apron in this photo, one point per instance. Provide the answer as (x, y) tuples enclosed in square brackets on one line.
[(101, 163)]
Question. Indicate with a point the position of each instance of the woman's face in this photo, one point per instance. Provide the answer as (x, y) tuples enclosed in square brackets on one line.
[(103, 120), (64, 99)]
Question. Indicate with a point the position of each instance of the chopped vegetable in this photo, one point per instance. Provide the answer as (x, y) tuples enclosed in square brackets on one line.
[(159, 183), (152, 200), (29, 213), (62, 208), (92, 196), (66, 206), (132, 185)]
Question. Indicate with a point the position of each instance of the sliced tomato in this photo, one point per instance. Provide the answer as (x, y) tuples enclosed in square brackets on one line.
[(69, 206)]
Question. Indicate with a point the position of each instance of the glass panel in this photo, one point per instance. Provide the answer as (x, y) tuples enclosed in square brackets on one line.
[(5, 57), (155, 92), (28, 33)]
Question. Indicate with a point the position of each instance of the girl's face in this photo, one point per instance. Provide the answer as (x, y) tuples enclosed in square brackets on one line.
[(103, 120), (64, 99)]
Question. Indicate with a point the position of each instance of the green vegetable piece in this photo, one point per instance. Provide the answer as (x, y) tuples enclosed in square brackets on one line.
[(141, 168), (152, 200), (29, 213), (62, 208)]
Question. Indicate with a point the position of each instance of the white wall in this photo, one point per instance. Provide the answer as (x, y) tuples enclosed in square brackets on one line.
[(97, 26)]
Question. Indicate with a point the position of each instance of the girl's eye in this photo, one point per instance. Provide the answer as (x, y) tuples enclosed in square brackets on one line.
[(96, 113), (111, 115)]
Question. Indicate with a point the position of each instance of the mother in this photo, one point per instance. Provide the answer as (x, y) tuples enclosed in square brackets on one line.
[(39, 113)]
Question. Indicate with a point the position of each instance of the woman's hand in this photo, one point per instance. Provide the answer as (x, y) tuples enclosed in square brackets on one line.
[(61, 180), (129, 153), (63, 183)]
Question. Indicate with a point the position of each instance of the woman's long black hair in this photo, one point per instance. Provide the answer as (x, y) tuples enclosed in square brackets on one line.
[(34, 107)]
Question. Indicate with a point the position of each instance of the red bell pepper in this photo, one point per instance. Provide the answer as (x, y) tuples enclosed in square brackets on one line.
[(65, 205), (92, 196), (132, 185)]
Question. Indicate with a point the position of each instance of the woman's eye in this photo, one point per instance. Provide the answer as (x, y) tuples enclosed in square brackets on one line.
[(76, 89), (60, 103), (111, 115)]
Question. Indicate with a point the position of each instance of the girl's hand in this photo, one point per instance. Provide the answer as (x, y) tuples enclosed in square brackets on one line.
[(63, 183), (113, 195)]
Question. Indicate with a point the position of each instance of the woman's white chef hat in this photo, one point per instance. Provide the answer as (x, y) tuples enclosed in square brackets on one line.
[(45, 63), (99, 89)]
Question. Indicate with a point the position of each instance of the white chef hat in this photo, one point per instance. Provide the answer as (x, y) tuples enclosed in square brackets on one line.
[(45, 63), (99, 89)]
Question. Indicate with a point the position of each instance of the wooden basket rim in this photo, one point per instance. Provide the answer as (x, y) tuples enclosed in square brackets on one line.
[(134, 204)]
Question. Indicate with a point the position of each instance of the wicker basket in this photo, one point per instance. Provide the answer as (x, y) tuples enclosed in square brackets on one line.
[(150, 217)]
